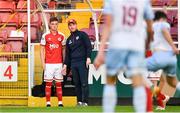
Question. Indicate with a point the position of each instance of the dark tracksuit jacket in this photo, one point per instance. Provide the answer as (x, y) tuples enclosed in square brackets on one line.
[(78, 49)]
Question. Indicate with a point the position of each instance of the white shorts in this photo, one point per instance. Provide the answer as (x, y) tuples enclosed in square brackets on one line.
[(132, 61), (53, 72)]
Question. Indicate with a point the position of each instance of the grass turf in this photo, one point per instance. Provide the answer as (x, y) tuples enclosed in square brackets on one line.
[(79, 109)]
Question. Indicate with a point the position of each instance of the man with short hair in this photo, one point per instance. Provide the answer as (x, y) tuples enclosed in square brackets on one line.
[(78, 54), (164, 55), (52, 43)]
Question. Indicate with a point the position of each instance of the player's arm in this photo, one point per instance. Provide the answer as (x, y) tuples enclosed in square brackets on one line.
[(148, 16), (149, 33), (104, 39), (42, 50), (107, 15), (67, 60), (42, 54), (106, 31), (168, 38), (88, 46), (63, 47), (63, 52)]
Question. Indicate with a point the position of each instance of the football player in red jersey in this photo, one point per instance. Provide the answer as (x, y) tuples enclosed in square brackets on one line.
[(52, 43)]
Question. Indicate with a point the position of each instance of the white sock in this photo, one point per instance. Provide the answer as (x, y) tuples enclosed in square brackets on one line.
[(109, 98), (60, 102), (139, 99), (178, 86), (48, 102)]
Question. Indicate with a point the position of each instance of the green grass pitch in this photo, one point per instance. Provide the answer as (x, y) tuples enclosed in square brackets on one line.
[(78, 109)]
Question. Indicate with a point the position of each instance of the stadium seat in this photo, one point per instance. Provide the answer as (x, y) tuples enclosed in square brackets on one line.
[(85, 5), (170, 2), (157, 2), (174, 33), (6, 5), (91, 33), (7, 48), (9, 18), (34, 33), (9, 29), (92, 38), (62, 27), (24, 29), (80, 19), (15, 39), (22, 4), (16, 44), (164, 2), (35, 19), (81, 14), (1, 40), (172, 13), (4, 34), (101, 29), (52, 4)]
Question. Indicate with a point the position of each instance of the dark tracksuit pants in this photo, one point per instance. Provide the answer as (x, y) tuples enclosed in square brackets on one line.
[(80, 77)]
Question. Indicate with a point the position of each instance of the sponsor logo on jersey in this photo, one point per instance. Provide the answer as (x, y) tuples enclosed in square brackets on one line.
[(77, 38), (53, 46), (49, 38)]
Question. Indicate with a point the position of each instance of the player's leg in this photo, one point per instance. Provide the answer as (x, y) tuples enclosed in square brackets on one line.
[(172, 81), (160, 97), (59, 93), (166, 61), (59, 78), (171, 70), (153, 63), (109, 99), (115, 60), (139, 94), (48, 78), (77, 83), (136, 70), (149, 99), (48, 93), (83, 75)]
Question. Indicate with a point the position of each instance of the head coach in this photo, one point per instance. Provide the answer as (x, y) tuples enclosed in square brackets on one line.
[(77, 57)]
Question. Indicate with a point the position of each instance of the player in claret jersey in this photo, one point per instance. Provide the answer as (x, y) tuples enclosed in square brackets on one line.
[(52, 43), (124, 28)]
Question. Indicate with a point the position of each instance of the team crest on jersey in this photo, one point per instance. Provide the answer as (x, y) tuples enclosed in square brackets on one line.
[(70, 42), (77, 38), (59, 39)]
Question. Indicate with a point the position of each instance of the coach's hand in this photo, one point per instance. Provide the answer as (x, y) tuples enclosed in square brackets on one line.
[(88, 61), (64, 70), (99, 60)]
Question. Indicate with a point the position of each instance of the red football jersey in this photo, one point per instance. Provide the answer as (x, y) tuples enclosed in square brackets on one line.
[(53, 47)]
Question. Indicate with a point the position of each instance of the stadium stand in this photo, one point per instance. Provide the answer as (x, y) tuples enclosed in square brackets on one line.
[(11, 50)]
